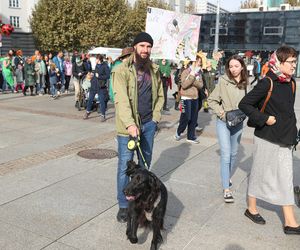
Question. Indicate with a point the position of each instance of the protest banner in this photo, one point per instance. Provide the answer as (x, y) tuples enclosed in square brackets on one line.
[(175, 35)]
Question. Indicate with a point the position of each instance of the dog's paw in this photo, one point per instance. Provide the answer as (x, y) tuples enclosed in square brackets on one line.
[(133, 240)]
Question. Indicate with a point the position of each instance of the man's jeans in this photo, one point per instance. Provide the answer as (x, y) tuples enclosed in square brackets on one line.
[(101, 98), (188, 118), (146, 144), (229, 140)]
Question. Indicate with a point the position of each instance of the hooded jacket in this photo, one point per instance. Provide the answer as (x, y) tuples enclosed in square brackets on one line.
[(125, 88), (225, 97)]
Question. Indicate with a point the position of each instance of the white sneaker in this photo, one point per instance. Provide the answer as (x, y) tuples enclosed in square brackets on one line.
[(228, 198), (177, 137), (198, 129), (195, 141)]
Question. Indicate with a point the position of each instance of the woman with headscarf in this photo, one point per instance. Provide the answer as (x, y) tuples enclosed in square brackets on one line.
[(271, 177)]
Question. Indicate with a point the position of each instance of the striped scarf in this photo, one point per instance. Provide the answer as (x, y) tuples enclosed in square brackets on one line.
[(274, 64)]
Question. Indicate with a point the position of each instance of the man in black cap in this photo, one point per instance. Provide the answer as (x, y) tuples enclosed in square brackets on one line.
[(139, 99)]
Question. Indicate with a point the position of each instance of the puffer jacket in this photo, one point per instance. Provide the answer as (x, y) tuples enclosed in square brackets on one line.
[(225, 97), (125, 90)]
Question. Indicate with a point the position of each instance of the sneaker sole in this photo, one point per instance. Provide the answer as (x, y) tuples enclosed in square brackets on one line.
[(229, 200), (176, 139), (193, 142)]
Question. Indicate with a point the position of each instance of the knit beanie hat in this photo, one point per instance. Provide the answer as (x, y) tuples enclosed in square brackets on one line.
[(143, 37)]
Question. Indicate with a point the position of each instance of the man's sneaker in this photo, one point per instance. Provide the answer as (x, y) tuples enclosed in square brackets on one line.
[(228, 198), (102, 118), (177, 137), (198, 129), (122, 215), (195, 141)]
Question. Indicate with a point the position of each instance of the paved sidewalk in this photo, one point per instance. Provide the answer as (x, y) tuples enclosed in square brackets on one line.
[(53, 199)]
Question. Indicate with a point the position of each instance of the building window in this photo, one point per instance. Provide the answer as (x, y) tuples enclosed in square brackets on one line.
[(273, 31), (15, 21), (222, 31), (14, 3)]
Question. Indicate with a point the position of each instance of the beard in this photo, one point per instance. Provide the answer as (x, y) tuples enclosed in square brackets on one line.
[(142, 64)]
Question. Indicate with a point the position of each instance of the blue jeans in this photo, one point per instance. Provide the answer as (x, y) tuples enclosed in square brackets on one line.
[(188, 118), (53, 89), (147, 132), (229, 140), (101, 98)]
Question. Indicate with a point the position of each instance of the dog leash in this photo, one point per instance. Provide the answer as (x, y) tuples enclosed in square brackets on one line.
[(134, 144)]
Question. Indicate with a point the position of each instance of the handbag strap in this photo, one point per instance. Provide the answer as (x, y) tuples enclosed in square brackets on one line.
[(270, 93)]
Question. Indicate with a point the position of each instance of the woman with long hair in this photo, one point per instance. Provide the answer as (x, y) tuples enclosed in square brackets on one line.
[(271, 177), (226, 97)]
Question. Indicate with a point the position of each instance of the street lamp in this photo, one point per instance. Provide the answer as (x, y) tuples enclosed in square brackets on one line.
[(217, 27)]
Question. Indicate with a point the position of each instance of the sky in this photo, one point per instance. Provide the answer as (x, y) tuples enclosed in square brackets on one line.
[(230, 5)]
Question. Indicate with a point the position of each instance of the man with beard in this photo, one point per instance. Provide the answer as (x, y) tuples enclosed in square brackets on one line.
[(139, 98)]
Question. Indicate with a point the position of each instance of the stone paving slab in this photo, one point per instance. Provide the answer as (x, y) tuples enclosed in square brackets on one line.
[(58, 200), (17, 238)]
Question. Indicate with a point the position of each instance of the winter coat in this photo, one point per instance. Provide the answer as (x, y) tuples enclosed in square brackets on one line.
[(19, 75), (29, 74), (59, 62), (53, 77), (125, 86), (165, 70), (225, 97), (190, 85), (100, 77), (78, 68), (280, 105), (68, 68)]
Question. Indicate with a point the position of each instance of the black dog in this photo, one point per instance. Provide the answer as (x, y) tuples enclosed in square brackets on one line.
[(147, 197)]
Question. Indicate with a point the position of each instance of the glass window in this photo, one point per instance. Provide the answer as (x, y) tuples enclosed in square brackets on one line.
[(273, 30), (14, 3), (15, 21)]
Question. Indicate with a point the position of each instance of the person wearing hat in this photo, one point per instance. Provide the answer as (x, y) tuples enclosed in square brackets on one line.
[(139, 99), (126, 52)]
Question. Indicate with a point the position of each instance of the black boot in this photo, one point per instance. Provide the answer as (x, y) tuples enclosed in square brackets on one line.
[(176, 106)]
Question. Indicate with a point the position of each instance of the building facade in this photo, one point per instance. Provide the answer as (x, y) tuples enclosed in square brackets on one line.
[(17, 13), (204, 6), (260, 32)]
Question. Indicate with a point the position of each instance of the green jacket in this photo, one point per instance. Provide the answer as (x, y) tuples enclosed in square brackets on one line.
[(126, 95), (225, 97), (165, 69)]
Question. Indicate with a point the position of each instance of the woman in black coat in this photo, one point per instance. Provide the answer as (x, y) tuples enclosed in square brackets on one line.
[(271, 177)]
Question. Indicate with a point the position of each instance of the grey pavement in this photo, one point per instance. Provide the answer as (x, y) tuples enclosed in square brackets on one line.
[(53, 199)]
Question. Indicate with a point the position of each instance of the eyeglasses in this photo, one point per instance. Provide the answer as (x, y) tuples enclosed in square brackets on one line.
[(292, 62)]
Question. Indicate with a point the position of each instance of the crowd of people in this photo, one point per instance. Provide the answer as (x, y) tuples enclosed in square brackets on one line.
[(139, 90)]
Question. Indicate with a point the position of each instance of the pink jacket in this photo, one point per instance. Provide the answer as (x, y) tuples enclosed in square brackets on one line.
[(68, 68)]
